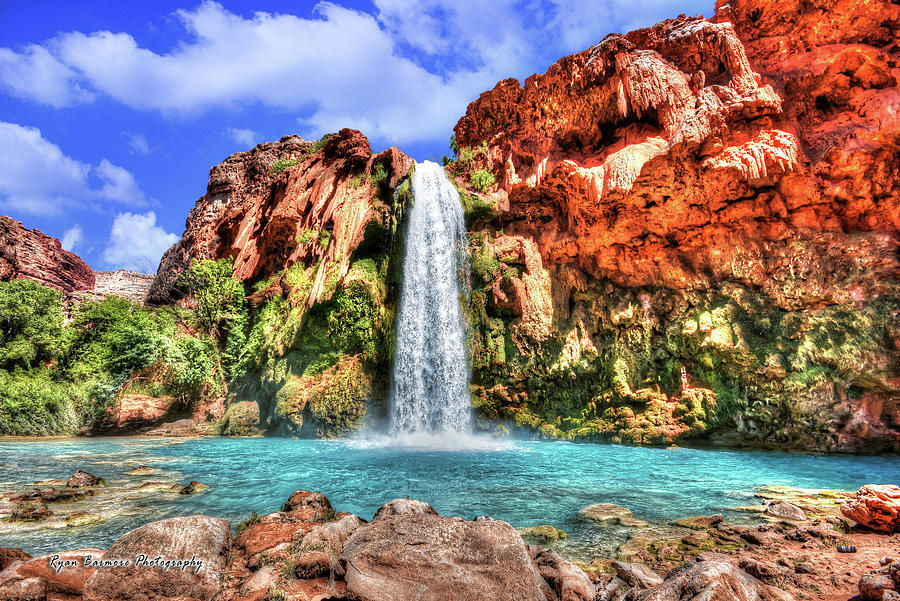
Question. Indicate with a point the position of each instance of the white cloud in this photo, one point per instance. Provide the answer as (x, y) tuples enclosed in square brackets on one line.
[(72, 238), (37, 74), (137, 143), (118, 184), (136, 242), (244, 137), (37, 178), (404, 73)]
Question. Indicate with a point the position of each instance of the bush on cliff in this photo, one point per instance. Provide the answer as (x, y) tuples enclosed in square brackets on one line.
[(31, 324)]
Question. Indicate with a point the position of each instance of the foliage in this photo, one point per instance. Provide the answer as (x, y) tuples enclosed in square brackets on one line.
[(454, 146), (282, 165), (35, 403), (324, 238), (481, 179), (31, 323), (306, 235), (476, 207)]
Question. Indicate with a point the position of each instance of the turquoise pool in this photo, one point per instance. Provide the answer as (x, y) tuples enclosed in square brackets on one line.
[(524, 483)]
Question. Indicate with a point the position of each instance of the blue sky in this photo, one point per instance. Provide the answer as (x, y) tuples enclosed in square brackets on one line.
[(112, 113)]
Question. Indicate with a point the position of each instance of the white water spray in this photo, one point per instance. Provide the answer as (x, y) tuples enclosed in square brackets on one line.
[(430, 390)]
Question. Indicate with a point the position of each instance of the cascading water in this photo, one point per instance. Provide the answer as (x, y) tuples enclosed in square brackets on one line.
[(430, 393)]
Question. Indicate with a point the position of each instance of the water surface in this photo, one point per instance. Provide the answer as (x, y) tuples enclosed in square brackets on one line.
[(524, 483)]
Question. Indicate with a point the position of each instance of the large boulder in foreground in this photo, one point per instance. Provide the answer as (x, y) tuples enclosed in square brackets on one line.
[(876, 506), (201, 538), (433, 558), (709, 581)]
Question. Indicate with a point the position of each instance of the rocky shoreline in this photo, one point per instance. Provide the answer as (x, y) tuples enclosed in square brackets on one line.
[(308, 550)]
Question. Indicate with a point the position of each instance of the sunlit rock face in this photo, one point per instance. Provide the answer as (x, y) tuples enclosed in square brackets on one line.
[(720, 194), (664, 157), (269, 219), (32, 255)]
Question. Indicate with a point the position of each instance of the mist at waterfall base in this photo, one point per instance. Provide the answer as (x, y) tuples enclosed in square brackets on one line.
[(430, 406)]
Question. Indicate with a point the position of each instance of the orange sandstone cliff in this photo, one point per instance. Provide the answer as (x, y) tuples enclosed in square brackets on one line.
[(722, 195)]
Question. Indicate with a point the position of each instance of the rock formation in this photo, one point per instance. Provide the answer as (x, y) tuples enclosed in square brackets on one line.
[(309, 551), (267, 207), (312, 228), (35, 256), (716, 194), (876, 507)]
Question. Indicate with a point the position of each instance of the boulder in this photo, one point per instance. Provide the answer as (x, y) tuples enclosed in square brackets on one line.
[(7, 556), (194, 487), (29, 589), (304, 505), (637, 574), (428, 557), (241, 419), (709, 581), (264, 536), (700, 522), (873, 585), (404, 507), (612, 514), (568, 581), (786, 511), (876, 507), (332, 535), (28, 511), (196, 538), (63, 572), (81, 479)]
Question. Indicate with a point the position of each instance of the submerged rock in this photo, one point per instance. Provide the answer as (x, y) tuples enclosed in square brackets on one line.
[(700, 522), (28, 511), (612, 514), (81, 479), (544, 533), (194, 487), (82, 518), (143, 470)]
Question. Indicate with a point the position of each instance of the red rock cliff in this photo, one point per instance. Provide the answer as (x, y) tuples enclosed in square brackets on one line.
[(33, 255), (259, 216), (720, 194), (700, 150)]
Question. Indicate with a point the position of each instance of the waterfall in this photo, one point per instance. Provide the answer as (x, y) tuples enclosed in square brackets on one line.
[(430, 389)]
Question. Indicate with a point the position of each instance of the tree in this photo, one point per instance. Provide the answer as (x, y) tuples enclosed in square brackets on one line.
[(221, 308), (31, 323)]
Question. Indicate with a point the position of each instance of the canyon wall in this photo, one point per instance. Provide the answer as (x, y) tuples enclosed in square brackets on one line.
[(720, 195), (32, 255), (313, 232)]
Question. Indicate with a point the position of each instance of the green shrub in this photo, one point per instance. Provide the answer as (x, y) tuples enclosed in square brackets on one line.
[(306, 234), (481, 179), (283, 165), (35, 403), (31, 323)]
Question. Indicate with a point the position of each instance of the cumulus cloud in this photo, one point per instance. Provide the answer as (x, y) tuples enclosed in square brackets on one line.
[(244, 137), (136, 242), (404, 72), (36, 74), (72, 238), (37, 178)]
